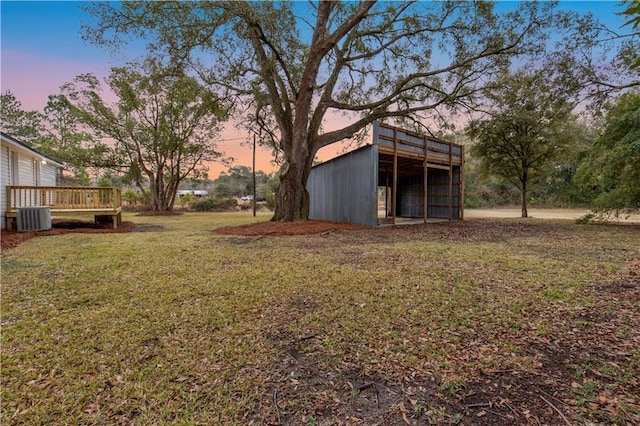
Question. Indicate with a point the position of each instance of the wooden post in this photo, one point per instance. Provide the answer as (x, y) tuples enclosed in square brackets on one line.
[(394, 189), (450, 180), (254, 175), (9, 195), (462, 182), (386, 193), (425, 201)]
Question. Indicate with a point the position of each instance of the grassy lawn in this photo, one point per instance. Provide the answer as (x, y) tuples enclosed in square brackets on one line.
[(479, 322)]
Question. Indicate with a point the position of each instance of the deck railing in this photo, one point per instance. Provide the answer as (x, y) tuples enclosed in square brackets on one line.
[(61, 198)]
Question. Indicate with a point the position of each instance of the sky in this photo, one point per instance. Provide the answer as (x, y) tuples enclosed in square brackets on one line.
[(41, 49)]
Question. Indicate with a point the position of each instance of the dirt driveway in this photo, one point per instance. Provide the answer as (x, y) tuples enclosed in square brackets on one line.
[(509, 212)]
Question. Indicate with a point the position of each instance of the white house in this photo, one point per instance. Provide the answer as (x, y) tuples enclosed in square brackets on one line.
[(198, 193), (21, 165)]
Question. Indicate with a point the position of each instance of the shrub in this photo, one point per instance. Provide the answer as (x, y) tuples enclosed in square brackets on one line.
[(136, 201), (186, 199), (271, 199), (214, 204), (131, 196)]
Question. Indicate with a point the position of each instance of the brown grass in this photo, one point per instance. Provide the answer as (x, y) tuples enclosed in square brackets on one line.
[(480, 322)]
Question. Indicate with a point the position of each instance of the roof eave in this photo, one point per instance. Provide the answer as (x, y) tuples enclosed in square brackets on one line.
[(10, 140)]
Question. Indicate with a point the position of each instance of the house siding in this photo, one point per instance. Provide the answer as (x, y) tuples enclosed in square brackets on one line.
[(47, 175), (20, 165), (4, 181), (26, 171)]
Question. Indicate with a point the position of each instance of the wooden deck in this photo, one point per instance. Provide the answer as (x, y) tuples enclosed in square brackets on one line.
[(66, 200)]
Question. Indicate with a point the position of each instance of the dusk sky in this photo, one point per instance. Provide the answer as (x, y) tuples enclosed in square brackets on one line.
[(42, 49)]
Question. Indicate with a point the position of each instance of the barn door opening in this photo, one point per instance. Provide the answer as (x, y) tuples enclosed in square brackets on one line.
[(401, 189)]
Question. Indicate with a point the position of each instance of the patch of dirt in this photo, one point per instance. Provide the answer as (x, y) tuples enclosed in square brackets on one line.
[(343, 391), (287, 228), (585, 371), (12, 239), (586, 368), (475, 230), (306, 378)]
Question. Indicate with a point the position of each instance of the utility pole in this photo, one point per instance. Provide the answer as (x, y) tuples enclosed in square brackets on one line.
[(254, 175)]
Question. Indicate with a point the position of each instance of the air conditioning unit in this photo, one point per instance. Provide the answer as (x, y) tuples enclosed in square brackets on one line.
[(33, 218)]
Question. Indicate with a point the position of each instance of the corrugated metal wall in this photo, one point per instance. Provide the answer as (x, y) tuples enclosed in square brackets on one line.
[(438, 194), (345, 188), (410, 199)]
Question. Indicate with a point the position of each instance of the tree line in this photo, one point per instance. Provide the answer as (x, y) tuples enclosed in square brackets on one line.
[(532, 143), (517, 74)]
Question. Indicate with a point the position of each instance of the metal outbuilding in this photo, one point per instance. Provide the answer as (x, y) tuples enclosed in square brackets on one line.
[(402, 174)]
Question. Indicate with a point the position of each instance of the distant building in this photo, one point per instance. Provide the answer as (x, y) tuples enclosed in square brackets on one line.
[(197, 193)]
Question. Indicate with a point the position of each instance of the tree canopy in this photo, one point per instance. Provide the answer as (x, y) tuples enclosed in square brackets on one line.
[(162, 124), (612, 167), (633, 12), (66, 139), (54, 132), (529, 124), (291, 67), (25, 125)]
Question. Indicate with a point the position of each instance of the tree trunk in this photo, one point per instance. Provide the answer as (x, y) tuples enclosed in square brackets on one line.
[(524, 197), (292, 199), (161, 199), (154, 192), (155, 196)]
